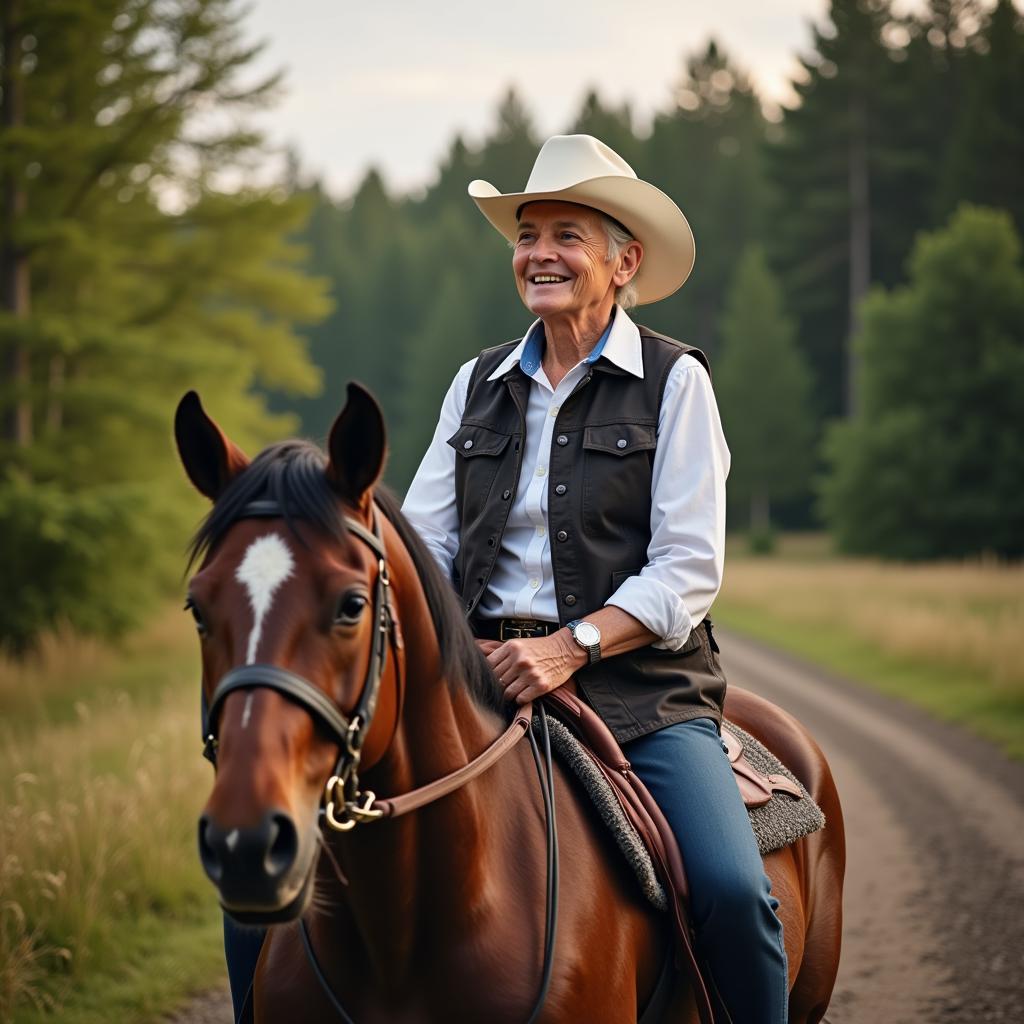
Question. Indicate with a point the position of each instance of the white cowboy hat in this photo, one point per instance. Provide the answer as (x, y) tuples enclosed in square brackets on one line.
[(582, 169)]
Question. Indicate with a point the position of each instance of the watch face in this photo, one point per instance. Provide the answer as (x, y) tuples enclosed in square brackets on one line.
[(587, 634)]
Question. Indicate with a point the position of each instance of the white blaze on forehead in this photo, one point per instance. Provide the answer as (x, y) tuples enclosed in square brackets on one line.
[(266, 565)]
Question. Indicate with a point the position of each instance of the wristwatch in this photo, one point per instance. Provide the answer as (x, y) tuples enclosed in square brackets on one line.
[(588, 636)]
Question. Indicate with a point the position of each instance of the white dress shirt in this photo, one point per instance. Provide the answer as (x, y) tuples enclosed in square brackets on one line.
[(685, 556)]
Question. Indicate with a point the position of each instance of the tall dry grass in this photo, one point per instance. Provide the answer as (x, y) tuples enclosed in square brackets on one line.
[(966, 616), (97, 825), (67, 668)]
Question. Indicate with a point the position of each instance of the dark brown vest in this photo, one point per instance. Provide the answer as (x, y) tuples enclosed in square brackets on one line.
[(599, 510)]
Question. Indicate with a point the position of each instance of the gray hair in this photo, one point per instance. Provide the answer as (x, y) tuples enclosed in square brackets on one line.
[(618, 238)]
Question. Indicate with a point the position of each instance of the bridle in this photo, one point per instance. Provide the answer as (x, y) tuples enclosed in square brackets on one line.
[(344, 805)]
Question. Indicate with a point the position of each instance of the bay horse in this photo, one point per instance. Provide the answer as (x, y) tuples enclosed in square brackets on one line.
[(310, 583)]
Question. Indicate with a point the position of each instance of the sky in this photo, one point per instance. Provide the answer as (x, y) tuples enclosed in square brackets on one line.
[(388, 83)]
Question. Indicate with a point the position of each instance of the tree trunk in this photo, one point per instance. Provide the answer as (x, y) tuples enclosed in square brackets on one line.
[(15, 291), (860, 243)]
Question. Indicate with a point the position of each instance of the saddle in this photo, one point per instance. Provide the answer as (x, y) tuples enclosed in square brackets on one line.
[(646, 817)]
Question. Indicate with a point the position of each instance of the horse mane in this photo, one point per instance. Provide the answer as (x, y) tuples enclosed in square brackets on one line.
[(291, 473), (461, 659)]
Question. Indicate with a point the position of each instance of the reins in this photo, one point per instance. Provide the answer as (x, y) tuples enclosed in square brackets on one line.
[(344, 804)]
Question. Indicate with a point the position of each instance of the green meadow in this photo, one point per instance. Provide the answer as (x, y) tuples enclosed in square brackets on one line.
[(104, 911), (946, 636)]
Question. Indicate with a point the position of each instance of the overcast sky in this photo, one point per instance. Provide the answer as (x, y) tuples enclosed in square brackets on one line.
[(389, 82)]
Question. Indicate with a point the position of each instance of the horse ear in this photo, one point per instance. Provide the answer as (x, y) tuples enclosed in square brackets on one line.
[(357, 446), (211, 460)]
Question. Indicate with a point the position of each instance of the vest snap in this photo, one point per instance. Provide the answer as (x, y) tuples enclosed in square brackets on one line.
[(570, 598), (562, 439), (468, 445), (560, 489), (562, 535), (506, 494), (621, 443)]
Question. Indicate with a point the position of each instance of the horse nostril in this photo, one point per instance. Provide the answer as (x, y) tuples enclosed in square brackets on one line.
[(208, 855), (284, 845)]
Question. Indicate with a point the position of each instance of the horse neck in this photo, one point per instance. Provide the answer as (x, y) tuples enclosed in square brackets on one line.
[(404, 873)]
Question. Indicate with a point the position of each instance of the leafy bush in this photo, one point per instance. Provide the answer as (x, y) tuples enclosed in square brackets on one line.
[(932, 466)]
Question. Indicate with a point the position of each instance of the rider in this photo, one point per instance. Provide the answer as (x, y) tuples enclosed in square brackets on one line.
[(574, 491)]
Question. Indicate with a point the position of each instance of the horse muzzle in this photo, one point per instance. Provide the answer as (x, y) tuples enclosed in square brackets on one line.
[(263, 872)]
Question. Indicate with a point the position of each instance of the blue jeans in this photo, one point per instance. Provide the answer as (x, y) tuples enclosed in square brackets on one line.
[(732, 909), (241, 951)]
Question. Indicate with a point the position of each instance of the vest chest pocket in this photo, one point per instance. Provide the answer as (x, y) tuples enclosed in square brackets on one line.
[(479, 453), (617, 460)]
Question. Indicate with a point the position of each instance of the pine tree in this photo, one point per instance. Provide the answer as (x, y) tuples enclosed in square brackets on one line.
[(839, 179), (137, 279), (764, 392), (986, 154), (933, 466), (706, 154), (612, 125)]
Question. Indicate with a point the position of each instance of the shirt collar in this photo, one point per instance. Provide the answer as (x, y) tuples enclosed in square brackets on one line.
[(620, 344)]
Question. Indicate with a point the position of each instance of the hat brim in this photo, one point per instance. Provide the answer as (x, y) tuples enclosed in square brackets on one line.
[(650, 215)]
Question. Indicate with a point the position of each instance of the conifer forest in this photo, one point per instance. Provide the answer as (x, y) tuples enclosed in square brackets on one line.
[(859, 284)]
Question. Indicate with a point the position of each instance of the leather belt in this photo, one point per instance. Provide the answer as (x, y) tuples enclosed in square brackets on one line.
[(512, 629)]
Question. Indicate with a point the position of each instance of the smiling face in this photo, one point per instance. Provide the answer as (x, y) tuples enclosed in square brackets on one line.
[(560, 261)]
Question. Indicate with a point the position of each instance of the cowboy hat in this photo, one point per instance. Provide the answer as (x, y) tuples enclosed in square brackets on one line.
[(582, 169)]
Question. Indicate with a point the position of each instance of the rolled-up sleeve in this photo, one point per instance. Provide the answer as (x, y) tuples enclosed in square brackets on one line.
[(430, 501), (686, 554)]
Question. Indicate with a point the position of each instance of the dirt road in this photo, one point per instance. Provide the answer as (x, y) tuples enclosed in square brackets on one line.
[(934, 903)]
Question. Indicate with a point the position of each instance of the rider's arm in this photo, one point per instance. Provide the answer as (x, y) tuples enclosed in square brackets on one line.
[(430, 501), (676, 587)]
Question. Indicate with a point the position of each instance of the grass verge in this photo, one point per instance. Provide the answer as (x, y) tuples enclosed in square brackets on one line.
[(945, 637), (160, 962), (104, 911)]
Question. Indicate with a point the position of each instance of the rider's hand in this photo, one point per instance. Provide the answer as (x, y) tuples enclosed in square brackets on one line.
[(531, 667)]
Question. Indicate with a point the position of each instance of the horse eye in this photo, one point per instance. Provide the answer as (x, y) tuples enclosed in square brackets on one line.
[(350, 608), (190, 606)]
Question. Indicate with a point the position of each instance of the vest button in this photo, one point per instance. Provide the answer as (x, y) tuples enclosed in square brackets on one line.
[(621, 443), (570, 599), (562, 535), (468, 445), (560, 489), (506, 495), (562, 439)]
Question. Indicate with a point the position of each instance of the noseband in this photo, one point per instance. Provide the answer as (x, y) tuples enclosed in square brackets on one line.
[(344, 805)]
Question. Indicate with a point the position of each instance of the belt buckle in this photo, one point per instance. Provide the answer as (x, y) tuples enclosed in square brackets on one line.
[(520, 629)]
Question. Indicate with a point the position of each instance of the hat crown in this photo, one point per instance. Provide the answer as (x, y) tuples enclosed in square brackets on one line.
[(567, 160)]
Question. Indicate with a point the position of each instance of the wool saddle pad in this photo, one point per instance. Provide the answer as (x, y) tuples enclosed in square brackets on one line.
[(781, 821)]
